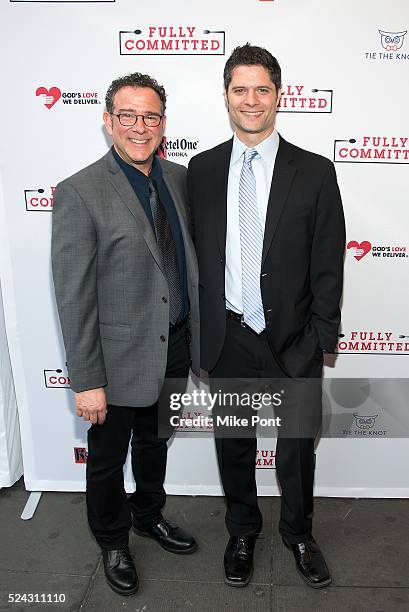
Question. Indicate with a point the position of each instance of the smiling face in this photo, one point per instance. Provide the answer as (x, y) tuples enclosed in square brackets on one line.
[(252, 100), (136, 144)]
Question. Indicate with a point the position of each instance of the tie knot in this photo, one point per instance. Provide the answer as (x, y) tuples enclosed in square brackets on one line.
[(249, 155)]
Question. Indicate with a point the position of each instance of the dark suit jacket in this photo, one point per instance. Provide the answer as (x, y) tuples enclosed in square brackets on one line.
[(111, 291), (302, 263)]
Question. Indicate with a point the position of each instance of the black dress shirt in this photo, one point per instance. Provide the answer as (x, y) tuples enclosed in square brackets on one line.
[(140, 185)]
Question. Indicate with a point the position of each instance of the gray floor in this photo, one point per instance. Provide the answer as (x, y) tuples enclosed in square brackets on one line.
[(365, 543)]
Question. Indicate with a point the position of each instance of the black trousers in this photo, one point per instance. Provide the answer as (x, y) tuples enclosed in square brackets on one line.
[(248, 356), (108, 506)]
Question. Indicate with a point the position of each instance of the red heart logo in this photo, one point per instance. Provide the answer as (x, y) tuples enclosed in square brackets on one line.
[(362, 248), (51, 96)]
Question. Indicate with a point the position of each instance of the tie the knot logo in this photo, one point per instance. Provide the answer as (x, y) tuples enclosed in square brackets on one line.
[(392, 41), (365, 422), (391, 47), (48, 96)]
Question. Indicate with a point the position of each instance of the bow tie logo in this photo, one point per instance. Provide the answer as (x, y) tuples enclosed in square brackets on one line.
[(392, 41), (365, 422)]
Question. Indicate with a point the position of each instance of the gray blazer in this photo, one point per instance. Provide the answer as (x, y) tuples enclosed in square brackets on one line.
[(110, 286)]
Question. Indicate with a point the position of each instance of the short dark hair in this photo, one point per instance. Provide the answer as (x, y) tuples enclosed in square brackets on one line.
[(249, 55), (135, 79)]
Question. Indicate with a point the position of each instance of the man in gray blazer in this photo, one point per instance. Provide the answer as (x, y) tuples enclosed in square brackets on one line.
[(125, 276)]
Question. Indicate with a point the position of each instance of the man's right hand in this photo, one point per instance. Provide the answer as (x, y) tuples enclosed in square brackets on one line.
[(91, 405)]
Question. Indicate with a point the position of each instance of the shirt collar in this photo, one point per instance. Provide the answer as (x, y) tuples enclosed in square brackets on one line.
[(155, 173), (267, 148)]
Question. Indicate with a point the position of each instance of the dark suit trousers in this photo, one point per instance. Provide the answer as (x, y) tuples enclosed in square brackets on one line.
[(248, 356), (108, 507)]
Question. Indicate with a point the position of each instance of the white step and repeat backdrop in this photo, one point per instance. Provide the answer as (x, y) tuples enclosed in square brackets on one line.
[(345, 73), (11, 461)]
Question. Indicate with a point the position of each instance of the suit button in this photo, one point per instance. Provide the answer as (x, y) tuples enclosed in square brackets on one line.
[(163, 338), (165, 300)]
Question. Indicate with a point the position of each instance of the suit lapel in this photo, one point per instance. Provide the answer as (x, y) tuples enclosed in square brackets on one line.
[(131, 201), (174, 190), (219, 200), (176, 195), (283, 176)]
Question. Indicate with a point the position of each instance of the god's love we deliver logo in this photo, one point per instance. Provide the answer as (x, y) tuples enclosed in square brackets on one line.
[(391, 252), (171, 40), (49, 96)]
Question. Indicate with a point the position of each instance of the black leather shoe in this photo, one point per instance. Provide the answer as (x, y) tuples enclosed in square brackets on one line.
[(310, 563), (238, 560), (172, 538), (120, 571)]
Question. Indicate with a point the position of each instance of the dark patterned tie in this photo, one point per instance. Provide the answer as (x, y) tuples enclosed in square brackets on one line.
[(167, 251)]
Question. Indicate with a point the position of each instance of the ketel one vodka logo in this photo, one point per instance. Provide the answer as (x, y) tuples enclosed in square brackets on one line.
[(80, 454), (182, 148)]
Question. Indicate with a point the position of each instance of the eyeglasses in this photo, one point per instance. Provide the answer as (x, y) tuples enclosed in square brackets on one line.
[(129, 119)]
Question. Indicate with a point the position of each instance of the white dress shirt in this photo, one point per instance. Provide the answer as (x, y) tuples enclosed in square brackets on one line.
[(263, 168)]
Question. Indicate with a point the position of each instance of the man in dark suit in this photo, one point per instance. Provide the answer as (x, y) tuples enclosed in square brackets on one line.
[(269, 236), (125, 276)]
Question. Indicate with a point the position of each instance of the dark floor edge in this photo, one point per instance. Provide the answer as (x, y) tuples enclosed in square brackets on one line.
[(343, 586), (28, 572)]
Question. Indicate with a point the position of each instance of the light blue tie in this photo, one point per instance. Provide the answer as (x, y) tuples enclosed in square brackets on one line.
[(251, 242)]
